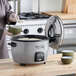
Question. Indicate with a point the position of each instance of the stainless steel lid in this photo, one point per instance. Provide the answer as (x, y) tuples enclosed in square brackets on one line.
[(54, 31)]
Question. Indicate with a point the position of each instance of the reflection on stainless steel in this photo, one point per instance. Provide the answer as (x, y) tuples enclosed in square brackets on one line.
[(69, 21), (55, 23), (69, 42)]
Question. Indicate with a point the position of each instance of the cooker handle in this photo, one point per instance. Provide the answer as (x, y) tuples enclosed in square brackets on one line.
[(13, 44)]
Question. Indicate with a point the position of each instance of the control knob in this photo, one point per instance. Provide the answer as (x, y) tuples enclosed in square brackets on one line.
[(26, 31), (40, 30)]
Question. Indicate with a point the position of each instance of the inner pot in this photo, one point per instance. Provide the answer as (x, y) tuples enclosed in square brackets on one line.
[(33, 51)]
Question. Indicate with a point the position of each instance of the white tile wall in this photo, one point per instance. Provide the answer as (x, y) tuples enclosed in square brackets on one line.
[(45, 5)]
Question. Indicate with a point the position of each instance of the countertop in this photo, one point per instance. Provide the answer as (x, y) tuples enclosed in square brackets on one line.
[(63, 16), (53, 67)]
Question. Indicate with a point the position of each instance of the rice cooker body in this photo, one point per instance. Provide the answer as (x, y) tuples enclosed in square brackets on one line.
[(30, 52), (35, 52)]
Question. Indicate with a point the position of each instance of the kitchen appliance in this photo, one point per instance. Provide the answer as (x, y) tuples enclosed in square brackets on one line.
[(30, 52), (32, 23), (36, 51), (69, 42)]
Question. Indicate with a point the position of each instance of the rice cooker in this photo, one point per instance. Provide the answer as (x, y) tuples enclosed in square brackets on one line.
[(33, 49)]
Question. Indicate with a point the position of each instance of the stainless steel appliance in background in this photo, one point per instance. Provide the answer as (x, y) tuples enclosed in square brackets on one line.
[(69, 42)]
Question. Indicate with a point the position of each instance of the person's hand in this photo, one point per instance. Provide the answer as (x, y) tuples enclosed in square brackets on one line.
[(8, 33), (15, 35), (13, 17)]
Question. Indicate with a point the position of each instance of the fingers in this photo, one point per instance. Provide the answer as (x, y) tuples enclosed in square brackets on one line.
[(7, 33), (10, 34), (13, 17), (15, 35)]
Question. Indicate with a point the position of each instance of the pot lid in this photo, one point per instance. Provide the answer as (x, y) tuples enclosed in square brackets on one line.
[(54, 31)]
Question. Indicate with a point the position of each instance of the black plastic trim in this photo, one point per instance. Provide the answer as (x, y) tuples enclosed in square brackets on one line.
[(42, 38)]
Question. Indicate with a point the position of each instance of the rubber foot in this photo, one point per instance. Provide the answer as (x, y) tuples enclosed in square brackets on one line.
[(22, 64), (44, 62)]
